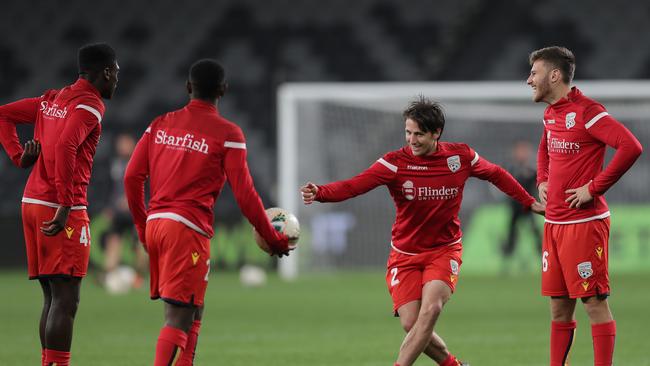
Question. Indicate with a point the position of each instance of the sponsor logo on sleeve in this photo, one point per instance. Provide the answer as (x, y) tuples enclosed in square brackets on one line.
[(570, 120), (599, 252), (585, 285), (453, 162), (584, 270), (195, 258)]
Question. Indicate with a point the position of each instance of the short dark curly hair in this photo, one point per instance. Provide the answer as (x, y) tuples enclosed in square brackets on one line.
[(559, 57), (95, 57), (426, 113), (208, 79)]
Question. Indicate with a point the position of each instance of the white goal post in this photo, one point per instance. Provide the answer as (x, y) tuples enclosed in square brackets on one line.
[(510, 102)]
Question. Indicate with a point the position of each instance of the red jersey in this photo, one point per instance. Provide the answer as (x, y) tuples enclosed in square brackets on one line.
[(67, 124), (577, 131), (427, 191), (187, 155)]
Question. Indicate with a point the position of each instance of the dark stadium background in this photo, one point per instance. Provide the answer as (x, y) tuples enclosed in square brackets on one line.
[(265, 43)]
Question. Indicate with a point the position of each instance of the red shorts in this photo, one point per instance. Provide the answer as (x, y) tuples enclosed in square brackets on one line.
[(406, 274), (574, 259), (62, 255), (179, 261)]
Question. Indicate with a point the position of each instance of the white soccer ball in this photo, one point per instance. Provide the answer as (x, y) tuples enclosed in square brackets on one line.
[(252, 276), (120, 280), (282, 221)]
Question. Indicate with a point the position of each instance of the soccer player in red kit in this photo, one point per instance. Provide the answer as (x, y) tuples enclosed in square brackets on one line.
[(426, 180), (571, 181), (67, 125), (187, 155)]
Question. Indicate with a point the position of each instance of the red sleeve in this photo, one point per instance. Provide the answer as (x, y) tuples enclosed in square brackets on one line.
[(137, 172), (483, 169), (248, 199), (77, 127), (381, 172), (608, 130), (22, 111), (542, 159)]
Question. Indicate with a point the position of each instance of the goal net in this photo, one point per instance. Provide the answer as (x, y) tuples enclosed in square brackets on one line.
[(333, 131)]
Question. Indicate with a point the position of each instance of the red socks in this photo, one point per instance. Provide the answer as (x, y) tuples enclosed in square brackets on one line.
[(56, 358), (167, 348), (450, 361), (561, 339), (43, 357), (603, 335), (187, 358)]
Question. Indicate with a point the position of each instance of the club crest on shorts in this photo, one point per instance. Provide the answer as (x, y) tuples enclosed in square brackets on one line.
[(454, 267), (570, 120), (408, 189), (584, 270), (453, 162)]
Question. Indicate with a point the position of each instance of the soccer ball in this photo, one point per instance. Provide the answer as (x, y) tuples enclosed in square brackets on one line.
[(120, 280), (282, 221)]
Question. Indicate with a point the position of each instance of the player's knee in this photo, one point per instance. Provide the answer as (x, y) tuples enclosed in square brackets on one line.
[(430, 312), (408, 323)]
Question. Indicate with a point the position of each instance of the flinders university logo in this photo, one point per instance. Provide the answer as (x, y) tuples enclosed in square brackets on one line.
[(408, 190), (570, 120), (453, 162), (411, 192)]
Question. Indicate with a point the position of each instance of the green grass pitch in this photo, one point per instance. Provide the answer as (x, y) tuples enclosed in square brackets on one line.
[(329, 320)]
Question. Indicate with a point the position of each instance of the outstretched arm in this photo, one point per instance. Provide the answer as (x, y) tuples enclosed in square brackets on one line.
[(381, 172), (137, 172), (483, 169), (248, 199)]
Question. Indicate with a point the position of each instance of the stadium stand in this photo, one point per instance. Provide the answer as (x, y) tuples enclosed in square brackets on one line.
[(263, 44)]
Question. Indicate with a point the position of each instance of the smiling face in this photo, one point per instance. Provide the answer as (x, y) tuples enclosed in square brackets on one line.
[(540, 79), (421, 143)]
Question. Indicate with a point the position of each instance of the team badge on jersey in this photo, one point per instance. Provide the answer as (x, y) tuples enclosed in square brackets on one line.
[(408, 190), (584, 270), (570, 120), (453, 162)]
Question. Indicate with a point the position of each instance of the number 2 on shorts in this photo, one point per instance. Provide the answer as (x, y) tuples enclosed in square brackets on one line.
[(394, 281)]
